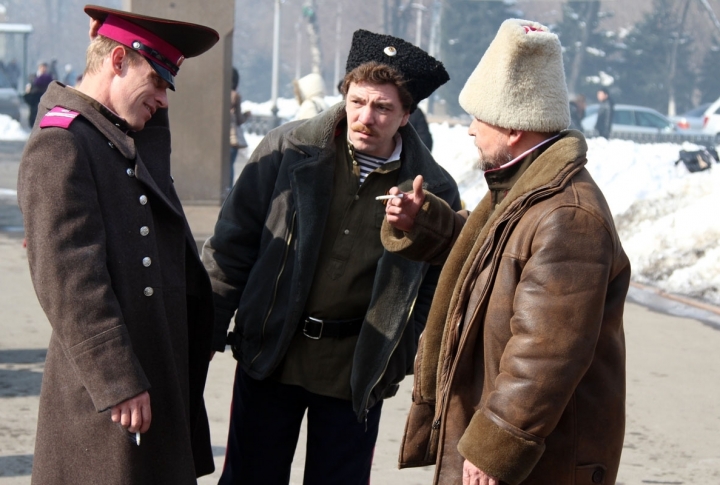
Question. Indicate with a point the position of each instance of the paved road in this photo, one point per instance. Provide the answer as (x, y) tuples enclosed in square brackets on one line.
[(673, 404)]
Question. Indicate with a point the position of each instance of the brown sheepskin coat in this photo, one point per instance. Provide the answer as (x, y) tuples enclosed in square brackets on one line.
[(116, 270), (521, 368)]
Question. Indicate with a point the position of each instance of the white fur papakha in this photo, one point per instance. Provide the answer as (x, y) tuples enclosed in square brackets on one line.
[(520, 81)]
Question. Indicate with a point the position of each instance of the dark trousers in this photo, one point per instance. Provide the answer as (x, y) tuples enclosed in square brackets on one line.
[(265, 424)]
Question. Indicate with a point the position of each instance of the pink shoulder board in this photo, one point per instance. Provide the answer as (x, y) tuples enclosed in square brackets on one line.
[(59, 117)]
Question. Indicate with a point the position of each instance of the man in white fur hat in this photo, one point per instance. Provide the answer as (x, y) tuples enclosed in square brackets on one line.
[(520, 375)]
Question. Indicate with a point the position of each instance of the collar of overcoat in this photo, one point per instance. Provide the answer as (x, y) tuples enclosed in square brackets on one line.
[(156, 136)]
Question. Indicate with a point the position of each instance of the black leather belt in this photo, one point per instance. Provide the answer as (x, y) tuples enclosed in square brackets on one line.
[(316, 328)]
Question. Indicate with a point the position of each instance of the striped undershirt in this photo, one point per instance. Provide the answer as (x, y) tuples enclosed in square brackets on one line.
[(368, 163)]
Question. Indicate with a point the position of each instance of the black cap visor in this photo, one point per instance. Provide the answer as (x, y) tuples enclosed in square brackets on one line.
[(165, 74)]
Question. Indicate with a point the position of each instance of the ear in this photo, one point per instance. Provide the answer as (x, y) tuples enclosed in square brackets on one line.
[(117, 58), (405, 118), (514, 137)]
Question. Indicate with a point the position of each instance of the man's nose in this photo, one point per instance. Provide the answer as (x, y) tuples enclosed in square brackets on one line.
[(366, 115), (161, 98), (471, 128)]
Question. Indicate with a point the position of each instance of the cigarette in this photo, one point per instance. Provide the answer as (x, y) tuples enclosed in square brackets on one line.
[(386, 197), (137, 438)]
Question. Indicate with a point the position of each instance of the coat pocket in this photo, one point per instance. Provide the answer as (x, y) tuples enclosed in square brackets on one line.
[(590, 474), (420, 440)]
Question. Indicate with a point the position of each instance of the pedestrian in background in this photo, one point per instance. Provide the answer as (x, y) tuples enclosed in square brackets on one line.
[(520, 376), (310, 94), (419, 122), (36, 87), (606, 109), (116, 268)]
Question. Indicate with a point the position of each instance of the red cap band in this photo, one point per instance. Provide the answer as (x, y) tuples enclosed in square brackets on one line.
[(127, 33)]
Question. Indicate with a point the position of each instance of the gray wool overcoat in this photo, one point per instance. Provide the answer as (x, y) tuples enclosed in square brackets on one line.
[(117, 273)]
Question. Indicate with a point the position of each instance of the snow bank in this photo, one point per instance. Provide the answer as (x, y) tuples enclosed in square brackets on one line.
[(10, 130), (665, 215)]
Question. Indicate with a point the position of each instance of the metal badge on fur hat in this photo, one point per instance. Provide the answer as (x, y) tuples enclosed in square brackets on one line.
[(520, 81), (422, 72)]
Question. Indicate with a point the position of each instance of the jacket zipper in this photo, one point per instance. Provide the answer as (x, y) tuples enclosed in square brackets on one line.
[(275, 289), (387, 362)]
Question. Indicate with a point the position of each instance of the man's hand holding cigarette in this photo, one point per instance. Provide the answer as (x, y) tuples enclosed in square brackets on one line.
[(133, 414), (401, 211)]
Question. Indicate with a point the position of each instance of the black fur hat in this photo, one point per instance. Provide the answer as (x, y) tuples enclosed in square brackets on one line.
[(422, 72)]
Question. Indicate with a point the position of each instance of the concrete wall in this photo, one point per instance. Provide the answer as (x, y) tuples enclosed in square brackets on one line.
[(199, 108)]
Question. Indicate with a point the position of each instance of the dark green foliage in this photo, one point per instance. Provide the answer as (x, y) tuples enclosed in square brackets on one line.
[(467, 28), (646, 71), (599, 50)]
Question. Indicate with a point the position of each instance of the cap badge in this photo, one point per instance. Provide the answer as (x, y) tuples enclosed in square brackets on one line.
[(136, 45), (390, 51)]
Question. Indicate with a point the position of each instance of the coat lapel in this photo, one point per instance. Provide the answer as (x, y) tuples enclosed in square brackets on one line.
[(144, 176)]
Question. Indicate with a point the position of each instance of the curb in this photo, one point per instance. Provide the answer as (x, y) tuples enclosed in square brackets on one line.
[(678, 298)]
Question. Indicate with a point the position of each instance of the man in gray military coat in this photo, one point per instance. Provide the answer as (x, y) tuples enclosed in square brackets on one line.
[(115, 267)]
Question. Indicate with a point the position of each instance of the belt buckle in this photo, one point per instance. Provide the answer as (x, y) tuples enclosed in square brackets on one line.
[(305, 329)]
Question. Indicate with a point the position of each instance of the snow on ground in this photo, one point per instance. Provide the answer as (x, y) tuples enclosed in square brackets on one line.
[(10, 130)]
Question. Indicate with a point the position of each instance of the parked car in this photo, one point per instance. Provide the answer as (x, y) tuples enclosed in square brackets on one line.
[(691, 121), (711, 120), (631, 119), (9, 99)]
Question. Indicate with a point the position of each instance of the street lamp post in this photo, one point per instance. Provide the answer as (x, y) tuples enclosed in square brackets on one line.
[(275, 64), (418, 25)]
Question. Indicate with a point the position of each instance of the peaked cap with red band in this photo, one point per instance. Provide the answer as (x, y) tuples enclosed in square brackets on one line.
[(163, 43)]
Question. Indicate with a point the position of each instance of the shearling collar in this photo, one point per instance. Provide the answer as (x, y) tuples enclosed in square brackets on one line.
[(502, 179), (68, 98)]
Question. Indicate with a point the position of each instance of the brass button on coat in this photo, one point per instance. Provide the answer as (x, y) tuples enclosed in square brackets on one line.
[(130, 172), (143, 200), (146, 262), (144, 231), (148, 291)]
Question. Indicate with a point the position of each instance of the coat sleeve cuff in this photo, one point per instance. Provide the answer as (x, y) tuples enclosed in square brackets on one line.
[(431, 236), (108, 368), (493, 448)]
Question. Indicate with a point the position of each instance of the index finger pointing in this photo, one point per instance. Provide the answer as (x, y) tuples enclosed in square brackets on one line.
[(417, 186)]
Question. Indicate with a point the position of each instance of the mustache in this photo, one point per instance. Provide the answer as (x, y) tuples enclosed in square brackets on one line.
[(359, 127)]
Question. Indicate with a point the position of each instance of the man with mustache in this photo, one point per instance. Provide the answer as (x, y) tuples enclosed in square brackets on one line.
[(325, 320), (520, 376), (115, 267)]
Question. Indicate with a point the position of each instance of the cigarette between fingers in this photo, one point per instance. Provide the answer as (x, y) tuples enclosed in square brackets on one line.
[(386, 197)]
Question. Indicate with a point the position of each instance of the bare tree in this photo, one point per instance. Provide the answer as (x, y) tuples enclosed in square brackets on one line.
[(589, 18)]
